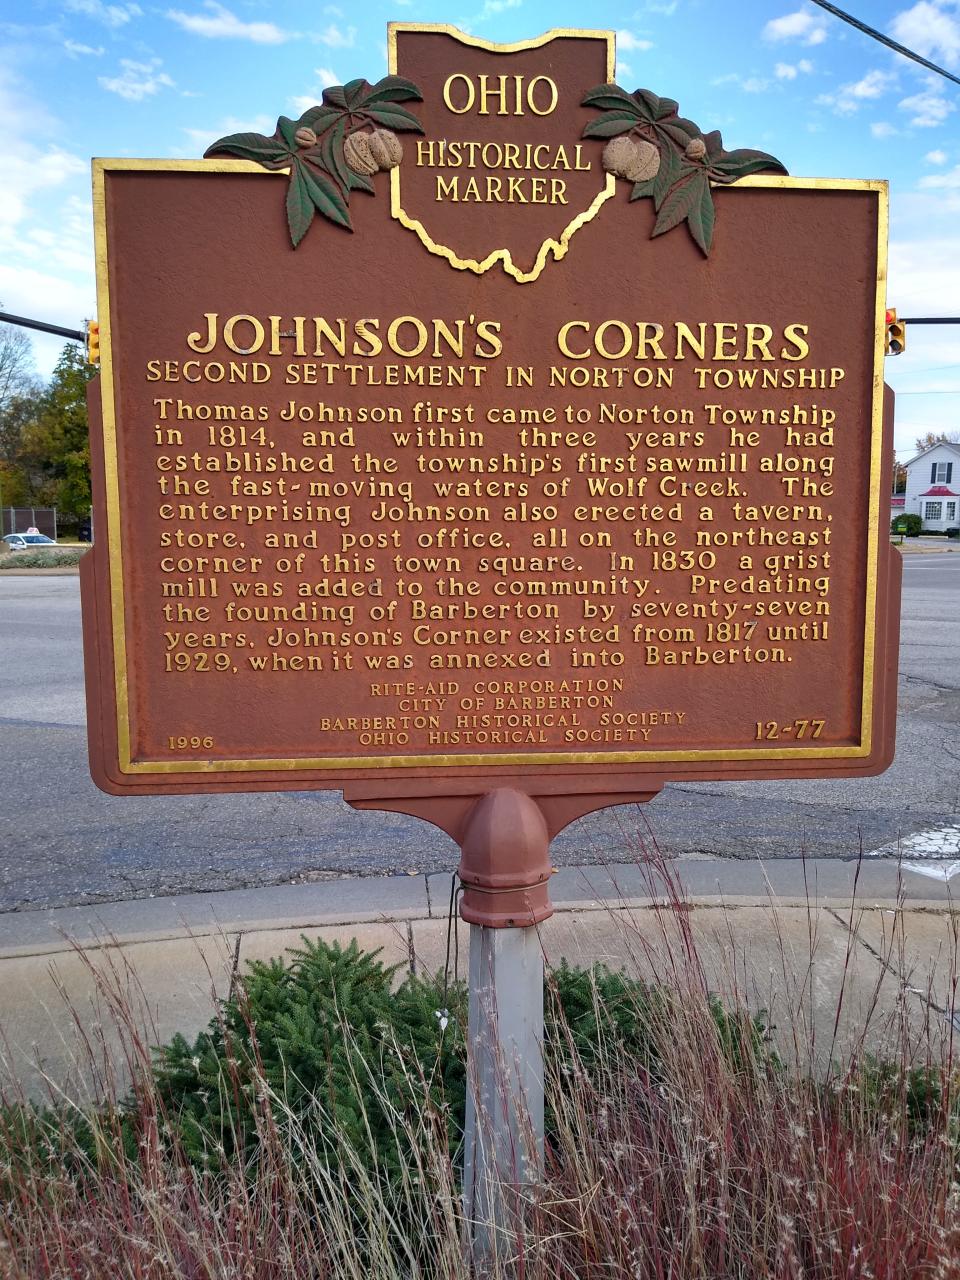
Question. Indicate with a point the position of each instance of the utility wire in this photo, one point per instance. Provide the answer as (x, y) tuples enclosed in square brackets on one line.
[(878, 35)]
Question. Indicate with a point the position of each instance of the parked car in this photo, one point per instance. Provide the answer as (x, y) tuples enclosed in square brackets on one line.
[(28, 541)]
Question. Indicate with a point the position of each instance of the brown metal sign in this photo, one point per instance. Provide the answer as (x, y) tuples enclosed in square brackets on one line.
[(488, 425)]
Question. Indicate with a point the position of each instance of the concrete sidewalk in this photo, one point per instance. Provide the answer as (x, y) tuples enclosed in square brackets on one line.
[(791, 937)]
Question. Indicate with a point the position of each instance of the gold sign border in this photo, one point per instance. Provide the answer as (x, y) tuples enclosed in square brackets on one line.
[(116, 570), (556, 249)]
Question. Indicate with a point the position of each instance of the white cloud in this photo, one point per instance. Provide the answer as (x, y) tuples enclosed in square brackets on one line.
[(807, 25), (928, 108), (138, 80), (111, 15), (749, 84), (851, 97), (45, 220), (627, 41), (929, 30), (924, 276), (790, 70), (325, 78), (221, 24), (47, 295), (942, 181), (492, 7), (924, 279), (26, 172), (936, 157), (881, 129), (200, 139), (624, 70), (79, 50), (334, 38)]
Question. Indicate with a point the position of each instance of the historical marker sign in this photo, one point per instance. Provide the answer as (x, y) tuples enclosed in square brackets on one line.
[(553, 448)]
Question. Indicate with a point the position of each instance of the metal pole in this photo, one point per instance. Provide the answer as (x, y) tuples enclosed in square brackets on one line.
[(504, 869), (504, 1130)]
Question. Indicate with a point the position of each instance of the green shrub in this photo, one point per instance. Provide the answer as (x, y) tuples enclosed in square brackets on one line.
[(325, 1031), (911, 522), (54, 557)]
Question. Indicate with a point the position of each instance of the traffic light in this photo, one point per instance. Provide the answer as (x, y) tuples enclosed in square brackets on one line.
[(895, 338), (93, 342)]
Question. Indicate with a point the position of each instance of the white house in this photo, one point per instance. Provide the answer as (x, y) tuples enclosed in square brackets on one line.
[(933, 487)]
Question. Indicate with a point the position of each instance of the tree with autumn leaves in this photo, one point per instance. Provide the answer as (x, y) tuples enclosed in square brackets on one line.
[(44, 445)]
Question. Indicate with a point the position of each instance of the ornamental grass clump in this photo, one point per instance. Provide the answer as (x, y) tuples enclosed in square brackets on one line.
[(315, 1129)]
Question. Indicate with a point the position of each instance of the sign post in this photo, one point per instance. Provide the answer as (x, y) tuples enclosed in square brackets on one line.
[(504, 870), (489, 444)]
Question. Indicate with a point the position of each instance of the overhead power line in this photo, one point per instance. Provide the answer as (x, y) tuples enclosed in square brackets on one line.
[(878, 35)]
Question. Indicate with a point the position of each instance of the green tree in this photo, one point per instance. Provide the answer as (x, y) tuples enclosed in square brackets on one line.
[(56, 447), (19, 390)]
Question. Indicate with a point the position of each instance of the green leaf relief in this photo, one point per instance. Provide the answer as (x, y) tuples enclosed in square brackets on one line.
[(678, 204), (251, 146), (331, 151), (681, 188), (611, 97), (326, 197), (300, 207), (610, 124), (391, 116), (287, 128), (670, 169), (392, 89), (702, 216)]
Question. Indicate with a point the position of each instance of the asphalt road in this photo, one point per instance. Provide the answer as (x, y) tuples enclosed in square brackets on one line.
[(63, 842)]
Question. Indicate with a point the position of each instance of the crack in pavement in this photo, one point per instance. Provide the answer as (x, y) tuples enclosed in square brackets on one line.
[(924, 996)]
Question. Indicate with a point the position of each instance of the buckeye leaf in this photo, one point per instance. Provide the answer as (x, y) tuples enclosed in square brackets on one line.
[(714, 143), (671, 167), (642, 189), (682, 198), (393, 89), (319, 118), (610, 97), (354, 91), (702, 215), (738, 164), (334, 97), (287, 128), (359, 182), (331, 152), (393, 117), (300, 206), (678, 130), (325, 196), (251, 146), (610, 124), (648, 103)]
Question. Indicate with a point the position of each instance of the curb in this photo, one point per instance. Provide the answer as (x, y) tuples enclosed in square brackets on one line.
[(718, 884)]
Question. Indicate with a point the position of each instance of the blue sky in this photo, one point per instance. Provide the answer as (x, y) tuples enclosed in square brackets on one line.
[(93, 77)]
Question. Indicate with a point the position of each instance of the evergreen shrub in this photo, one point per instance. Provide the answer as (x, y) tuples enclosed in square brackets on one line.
[(329, 1030)]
